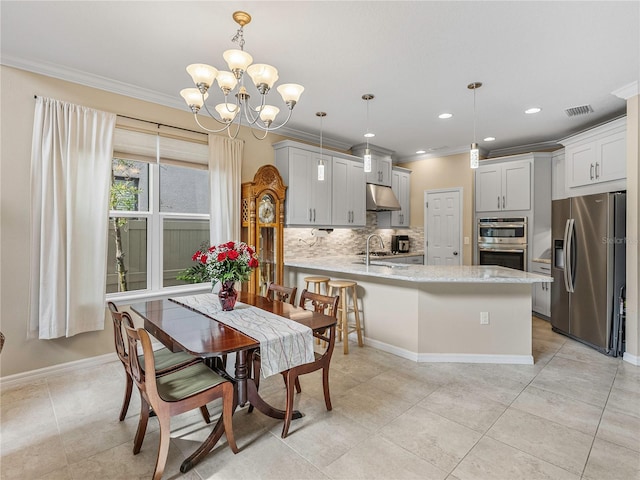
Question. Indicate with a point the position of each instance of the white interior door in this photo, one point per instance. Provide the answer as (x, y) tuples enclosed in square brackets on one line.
[(442, 221)]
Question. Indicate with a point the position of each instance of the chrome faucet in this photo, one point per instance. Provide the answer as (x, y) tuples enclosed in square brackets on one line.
[(366, 258)]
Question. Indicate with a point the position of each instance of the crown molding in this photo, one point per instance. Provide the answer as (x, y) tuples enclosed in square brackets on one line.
[(531, 147), (314, 138), (94, 81), (109, 85), (627, 91), (444, 152)]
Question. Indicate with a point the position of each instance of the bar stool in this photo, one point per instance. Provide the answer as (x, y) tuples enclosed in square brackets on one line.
[(345, 287), (316, 282)]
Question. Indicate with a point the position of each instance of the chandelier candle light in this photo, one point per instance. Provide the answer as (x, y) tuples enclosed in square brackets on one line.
[(263, 77), (474, 154), (367, 153)]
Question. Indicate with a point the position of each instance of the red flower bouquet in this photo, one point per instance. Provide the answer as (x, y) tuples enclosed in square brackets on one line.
[(231, 261)]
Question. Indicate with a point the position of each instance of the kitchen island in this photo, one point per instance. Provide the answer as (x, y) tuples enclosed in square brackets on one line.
[(475, 314)]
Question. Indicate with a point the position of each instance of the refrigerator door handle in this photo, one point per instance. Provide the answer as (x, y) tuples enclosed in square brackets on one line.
[(565, 271), (568, 266)]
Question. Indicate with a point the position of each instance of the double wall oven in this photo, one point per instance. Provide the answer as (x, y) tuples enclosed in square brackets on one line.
[(503, 241)]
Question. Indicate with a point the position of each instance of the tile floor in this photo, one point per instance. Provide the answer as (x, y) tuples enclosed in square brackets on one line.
[(574, 414)]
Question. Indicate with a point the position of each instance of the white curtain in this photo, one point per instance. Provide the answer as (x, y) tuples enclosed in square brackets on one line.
[(225, 165), (71, 156)]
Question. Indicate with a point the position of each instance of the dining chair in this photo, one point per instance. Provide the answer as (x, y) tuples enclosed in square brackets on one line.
[(164, 359), (282, 293), (328, 306), (174, 393)]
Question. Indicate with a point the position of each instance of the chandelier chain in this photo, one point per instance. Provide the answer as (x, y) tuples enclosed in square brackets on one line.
[(239, 38)]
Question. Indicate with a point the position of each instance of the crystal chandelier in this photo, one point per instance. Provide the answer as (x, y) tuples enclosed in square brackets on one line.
[(229, 113)]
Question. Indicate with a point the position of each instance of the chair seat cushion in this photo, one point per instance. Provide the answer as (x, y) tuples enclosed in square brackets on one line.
[(166, 359), (186, 382)]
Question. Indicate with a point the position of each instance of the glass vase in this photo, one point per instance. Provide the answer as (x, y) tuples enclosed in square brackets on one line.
[(228, 295)]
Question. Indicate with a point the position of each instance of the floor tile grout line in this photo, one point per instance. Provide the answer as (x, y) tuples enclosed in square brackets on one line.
[(599, 422), (484, 434)]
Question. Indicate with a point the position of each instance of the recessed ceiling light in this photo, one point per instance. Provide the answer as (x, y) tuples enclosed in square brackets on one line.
[(489, 139), (445, 115), (531, 110), (419, 152), (369, 135)]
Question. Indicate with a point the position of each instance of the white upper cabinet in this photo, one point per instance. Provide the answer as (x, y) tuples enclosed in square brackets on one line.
[(503, 186), (558, 190), (380, 173), (349, 195), (401, 186), (308, 199), (595, 160), (339, 200)]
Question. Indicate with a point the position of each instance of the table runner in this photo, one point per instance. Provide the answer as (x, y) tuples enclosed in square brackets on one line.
[(283, 343)]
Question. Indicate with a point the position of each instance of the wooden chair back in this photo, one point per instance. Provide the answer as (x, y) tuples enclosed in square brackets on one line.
[(320, 303), (143, 376), (118, 339), (282, 293)]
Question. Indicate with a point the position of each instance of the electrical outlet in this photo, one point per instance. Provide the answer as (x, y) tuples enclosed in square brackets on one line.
[(466, 240), (484, 318)]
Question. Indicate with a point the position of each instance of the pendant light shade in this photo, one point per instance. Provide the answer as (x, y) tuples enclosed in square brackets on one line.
[(321, 160), (367, 153), (474, 153)]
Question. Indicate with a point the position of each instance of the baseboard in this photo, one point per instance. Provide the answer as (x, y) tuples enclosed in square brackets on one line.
[(475, 358), (632, 359), (448, 357), (43, 373), (385, 347)]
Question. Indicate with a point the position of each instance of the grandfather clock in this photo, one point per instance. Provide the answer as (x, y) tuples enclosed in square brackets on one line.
[(263, 226)]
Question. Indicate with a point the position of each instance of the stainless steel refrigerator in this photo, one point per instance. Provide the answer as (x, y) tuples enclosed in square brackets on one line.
[(588, 266)]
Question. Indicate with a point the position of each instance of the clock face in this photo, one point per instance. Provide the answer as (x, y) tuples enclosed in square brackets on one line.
[(266, 210)]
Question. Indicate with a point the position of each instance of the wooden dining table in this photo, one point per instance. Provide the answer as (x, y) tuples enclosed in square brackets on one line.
[(181, 328)]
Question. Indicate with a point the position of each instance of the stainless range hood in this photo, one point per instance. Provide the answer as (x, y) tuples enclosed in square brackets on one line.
[(381, 198)]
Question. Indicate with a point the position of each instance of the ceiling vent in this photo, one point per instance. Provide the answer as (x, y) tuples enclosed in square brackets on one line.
[(581, 110)]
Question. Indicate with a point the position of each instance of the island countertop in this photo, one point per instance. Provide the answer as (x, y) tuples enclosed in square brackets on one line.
[(418, 273)]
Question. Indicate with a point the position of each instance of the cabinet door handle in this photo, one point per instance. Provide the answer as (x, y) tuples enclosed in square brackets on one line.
[(597, 170), (314, 215), (498, 201), (591, 172), (503, 202), (310, 215)]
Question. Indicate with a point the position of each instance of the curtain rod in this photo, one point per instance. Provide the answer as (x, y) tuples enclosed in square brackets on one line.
[(161, 124), (154, 123)]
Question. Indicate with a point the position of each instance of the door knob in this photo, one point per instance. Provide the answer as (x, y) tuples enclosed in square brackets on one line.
[(455, 253)]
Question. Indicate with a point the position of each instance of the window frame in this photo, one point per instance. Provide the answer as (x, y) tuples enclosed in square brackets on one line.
[(155, 241)]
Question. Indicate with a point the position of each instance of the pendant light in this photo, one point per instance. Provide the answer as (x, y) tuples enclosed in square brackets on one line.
[(321, 161), (367, 153), (474, 154)]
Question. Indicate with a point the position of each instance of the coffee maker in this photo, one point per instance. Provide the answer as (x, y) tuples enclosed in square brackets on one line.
[(399, 243)]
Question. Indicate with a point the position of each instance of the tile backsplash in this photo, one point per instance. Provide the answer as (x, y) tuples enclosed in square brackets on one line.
[(301, 242)]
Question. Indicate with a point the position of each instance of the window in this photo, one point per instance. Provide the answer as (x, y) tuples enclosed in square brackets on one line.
[(159, 210)]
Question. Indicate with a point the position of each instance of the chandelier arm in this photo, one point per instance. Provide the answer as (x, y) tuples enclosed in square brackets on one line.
[(233, 137), (247, 111), (270, 128), (266, 132), (211, 115), (195, 115)]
